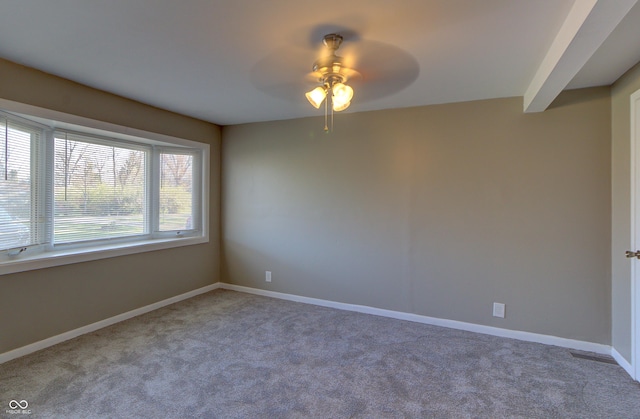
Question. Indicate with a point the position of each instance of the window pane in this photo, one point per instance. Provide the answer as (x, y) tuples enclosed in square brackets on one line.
[(15, 184), (176, 192), (99, 190)]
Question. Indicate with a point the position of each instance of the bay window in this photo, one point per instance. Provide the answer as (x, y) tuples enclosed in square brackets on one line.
[(68, 191)]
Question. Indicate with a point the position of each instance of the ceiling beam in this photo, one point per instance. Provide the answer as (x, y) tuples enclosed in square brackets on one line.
[(586, 27)]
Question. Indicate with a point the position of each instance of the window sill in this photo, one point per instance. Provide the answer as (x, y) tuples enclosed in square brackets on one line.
[(86, 254)]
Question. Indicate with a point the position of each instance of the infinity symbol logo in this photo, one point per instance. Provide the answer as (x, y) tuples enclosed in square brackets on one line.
[(22, 404)]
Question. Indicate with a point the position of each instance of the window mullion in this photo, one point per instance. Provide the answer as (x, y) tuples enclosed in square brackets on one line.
[(38, 187), (154, 192), (48, 181)]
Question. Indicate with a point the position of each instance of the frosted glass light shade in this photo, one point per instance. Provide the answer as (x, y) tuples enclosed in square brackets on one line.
[(316, 96), (342, 107), (342, 95)]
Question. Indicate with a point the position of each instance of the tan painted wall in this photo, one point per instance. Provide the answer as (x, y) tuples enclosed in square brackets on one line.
[(620, 207), (40, 304), (437, 210)]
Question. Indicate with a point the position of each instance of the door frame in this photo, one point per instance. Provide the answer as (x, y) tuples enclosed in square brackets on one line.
[(635, 234)]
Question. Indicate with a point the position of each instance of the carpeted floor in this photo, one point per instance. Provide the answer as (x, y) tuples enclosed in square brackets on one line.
[(226, 354)]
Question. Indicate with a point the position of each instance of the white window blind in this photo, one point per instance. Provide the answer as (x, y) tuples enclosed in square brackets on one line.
[(20, 151), (99, 189)]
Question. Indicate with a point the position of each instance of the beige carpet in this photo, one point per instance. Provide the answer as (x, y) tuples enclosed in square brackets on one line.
[(226, 354)]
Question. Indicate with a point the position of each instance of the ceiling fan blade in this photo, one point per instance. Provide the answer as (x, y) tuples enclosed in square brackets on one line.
[(385, 69), (375, 70), (282, 73)]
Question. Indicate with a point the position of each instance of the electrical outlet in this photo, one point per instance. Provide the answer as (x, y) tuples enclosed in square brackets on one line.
[(267, 276), (498, 310)]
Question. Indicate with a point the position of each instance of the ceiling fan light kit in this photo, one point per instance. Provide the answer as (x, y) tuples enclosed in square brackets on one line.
[(332, 74), (316, 96)]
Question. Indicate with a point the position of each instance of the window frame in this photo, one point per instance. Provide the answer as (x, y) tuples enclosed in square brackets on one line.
[(197, 206), (50, 254), (148, 194)]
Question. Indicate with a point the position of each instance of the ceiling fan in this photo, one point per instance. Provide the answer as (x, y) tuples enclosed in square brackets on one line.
[(332, 74), (348, 66)]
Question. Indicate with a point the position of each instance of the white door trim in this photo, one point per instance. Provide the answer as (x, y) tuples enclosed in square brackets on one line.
[(635, 241)]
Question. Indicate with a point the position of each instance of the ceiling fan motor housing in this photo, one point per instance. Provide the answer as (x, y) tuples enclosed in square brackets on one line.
[(331, 66), (331, 69), (333, 41)]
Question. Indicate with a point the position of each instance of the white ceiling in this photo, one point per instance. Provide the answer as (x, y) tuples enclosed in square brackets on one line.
[(238, 61)]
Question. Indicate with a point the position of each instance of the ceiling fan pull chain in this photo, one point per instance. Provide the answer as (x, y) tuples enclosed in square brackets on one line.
[(332, 110), (326, 128)]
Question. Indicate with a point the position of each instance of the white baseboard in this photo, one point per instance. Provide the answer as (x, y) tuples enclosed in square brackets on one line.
[(623, 362), (25, 350), (453, 324)]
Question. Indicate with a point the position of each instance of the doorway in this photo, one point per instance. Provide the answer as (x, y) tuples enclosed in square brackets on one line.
[(635, 234)]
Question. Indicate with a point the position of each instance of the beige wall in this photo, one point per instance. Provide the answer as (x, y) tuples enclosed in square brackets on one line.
[(437, 210), (621, 206), (40, 304)]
